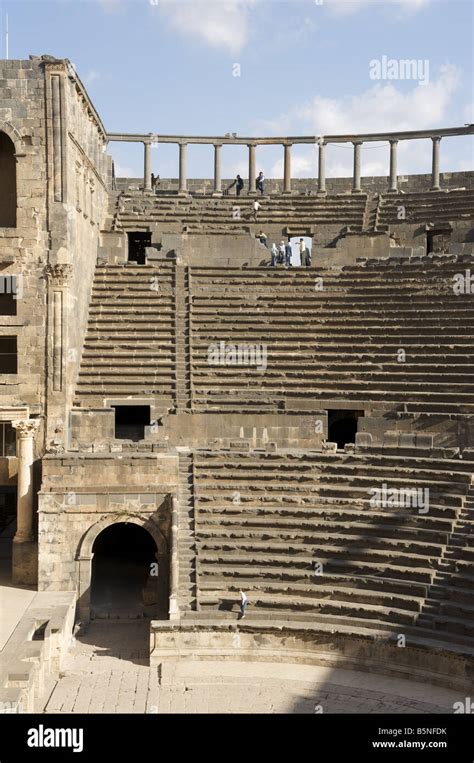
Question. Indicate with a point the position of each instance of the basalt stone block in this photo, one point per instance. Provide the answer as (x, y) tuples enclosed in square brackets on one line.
[(391, 439), (407, 440), (363, 439), (424, 441)]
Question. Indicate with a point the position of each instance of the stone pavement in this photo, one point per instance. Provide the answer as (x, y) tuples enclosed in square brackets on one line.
[(107, 672)]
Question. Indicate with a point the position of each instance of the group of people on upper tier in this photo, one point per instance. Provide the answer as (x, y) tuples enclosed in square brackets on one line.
[(239, 184), (282, 253)]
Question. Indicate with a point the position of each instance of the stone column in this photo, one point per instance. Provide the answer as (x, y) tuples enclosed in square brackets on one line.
[(393, 187), (252, 169), (183, 183), (25, 434), (356, 187), (322, 168), (218, 170), (287, 175), (147, 163), (174, 613), (435, 186)]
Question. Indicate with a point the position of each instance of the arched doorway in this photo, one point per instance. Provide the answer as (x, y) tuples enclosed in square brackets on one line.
[(126, 578), (7, 182)]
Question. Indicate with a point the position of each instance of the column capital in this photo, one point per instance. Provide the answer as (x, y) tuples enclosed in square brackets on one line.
[(26, 428), (59, 274), (393, 141), (436, 137)]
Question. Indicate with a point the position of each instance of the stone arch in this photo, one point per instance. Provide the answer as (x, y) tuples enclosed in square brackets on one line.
[(85, 553), (8, 178), (87, 541), (15, 136)]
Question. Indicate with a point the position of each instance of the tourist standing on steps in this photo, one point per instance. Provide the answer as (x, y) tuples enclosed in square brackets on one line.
[(302, 247), (260, 181), (308, 257), (288, 253), (274, 255), (239, 183), (282, 253), (256, 209), (262, 237), (243, 604)]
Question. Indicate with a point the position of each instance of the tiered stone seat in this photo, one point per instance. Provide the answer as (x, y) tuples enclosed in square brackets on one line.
[(451, 599), (263, 521), (428, 206), (203, 215), (338, 343), (130, 343)]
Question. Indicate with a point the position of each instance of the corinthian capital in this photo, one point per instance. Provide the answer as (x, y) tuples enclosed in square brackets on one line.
[(26, 427), (59, 274)]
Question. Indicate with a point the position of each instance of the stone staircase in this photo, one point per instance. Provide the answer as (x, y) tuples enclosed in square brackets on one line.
[(129, 349), (186, 534), (425, 207), (265, 521), (182, 334), (338, 343), (450, 603), (197, 214)]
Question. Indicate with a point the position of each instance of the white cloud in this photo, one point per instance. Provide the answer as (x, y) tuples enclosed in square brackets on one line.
[(381, 108), (91, 76), (402, 8), (218, 23)]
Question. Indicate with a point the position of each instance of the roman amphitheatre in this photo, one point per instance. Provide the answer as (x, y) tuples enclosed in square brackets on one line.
[(144, 488)]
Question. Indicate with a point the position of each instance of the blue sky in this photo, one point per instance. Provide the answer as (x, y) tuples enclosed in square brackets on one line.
[(168, 66)]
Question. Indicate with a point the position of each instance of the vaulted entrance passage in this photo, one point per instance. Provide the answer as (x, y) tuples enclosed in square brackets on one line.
[(342, 426), (126, 578)]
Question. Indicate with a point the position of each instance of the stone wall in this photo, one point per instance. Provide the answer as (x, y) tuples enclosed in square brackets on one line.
[(83, 494), (305, 644), (377, 184), (62, 172), (23, 249)]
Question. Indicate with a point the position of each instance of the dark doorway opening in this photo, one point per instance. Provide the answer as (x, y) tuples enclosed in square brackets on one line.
[(137, 243), (342, 426), (437, 241), (130, 421), (7, 441), (8, 503), (7, 506), (126, 579), (7, 182)]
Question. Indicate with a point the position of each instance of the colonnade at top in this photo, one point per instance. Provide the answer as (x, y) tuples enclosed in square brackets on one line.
[(392, 140)]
